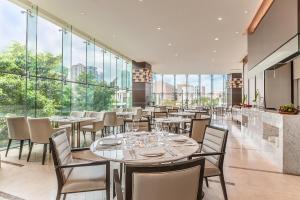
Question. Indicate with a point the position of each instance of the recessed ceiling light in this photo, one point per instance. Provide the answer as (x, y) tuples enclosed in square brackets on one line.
[(237, 32), (82, 13), (246, 11), (214, 51), (169, 44), (140, 0), (176, 54), (216, 39), (220, 18), (158, 28)]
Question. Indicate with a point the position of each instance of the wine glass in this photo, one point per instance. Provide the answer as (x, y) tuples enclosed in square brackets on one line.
[(135, 124)]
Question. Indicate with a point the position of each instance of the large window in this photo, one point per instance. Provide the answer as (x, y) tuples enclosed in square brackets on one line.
[(189, 90), (47, 70)]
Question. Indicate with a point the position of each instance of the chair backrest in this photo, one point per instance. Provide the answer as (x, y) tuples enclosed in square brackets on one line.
[(17, 128), (197, 115), (215, 140), (172, 110), (61, 153), (143, 125), (88, 113), (198, 127), (110, 118), (160, 114), (177, 181), (138, 114), (163, 108), (77, 114), (97, 115), (40, 130)]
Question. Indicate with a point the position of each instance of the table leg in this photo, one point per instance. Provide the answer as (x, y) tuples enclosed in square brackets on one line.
[(78, 134)]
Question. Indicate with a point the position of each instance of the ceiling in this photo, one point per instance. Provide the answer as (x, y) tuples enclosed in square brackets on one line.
[(185, 42)]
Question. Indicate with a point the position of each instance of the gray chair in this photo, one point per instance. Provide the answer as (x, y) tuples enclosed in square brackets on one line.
[(75, 176), (176, 181), (17, 130), (213, 149), (40, 130), (111, 120), (94, 126)]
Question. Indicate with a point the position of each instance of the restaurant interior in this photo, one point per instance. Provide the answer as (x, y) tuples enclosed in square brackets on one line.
[(149, 100)]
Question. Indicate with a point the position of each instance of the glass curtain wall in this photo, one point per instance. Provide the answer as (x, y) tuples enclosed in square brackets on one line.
[(189, 90), (46, 70)]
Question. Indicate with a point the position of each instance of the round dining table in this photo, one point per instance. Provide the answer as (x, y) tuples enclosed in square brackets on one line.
[(182, 114), (145, 148)]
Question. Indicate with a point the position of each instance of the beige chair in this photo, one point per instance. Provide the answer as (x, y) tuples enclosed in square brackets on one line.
[(40, 130), (213, 149), (197, 129), (111, 120), (94, 126), (77, 114), (17, 130), (137, 114), (176, 181), (73, 175)]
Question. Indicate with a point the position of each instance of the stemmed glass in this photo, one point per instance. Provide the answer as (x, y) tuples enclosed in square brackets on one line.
[(135, 124)]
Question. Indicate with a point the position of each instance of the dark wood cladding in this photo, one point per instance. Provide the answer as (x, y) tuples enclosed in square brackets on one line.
[(234, 95), (141, 92), (279, 25)]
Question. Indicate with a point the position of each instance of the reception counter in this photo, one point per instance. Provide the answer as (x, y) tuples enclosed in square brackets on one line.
[(278, 133)]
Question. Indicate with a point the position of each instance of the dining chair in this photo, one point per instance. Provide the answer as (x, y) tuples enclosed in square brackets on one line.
[(74, 176), (213, 149), (94, 126), (172, 110), (111, 120), (17, 130), (137, 114), (77, 114), (40, 130), (175, 181), (143, 125), (197, 129)]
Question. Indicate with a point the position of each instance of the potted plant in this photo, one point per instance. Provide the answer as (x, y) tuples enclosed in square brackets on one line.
[(288, 109), (256, 96)]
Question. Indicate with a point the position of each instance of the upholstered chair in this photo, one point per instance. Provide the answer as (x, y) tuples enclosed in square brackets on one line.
[(143, 125), (111, 120), (40, 130), (197, 129), (137, 114), (163, 108), (73, 175), (94, 126), (17, 130), (176, 181), (213, 149), (77, 114)]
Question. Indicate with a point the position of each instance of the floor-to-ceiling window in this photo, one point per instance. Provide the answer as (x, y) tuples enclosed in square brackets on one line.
[(189, 90), (47, 69)]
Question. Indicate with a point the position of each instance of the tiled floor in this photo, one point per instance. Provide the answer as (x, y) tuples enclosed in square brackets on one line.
[(248, 173)]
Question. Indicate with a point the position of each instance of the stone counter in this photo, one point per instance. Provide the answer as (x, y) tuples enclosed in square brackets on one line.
[(279, 133)]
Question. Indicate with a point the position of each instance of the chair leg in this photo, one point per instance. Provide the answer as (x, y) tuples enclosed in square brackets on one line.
[(121, 172), (21, 148), (65, 195), (223, 184), (44, 154), (30, 149), (50, 150), (93, 134), (8, 145), (108, 193), (206, 181), (83, 132), (58, 195)]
